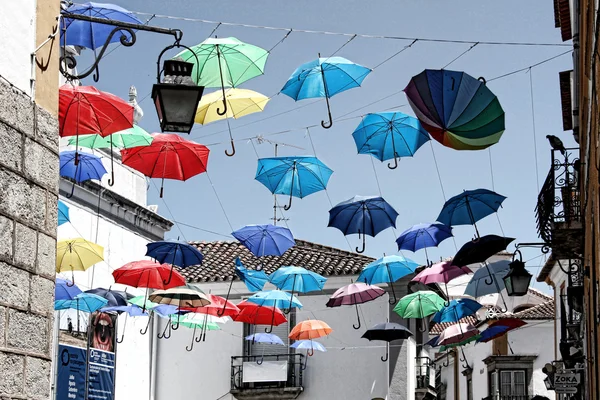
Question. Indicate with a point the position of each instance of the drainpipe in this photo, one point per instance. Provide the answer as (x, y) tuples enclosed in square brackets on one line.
[(577, 73), (153, 356), (456, 375)]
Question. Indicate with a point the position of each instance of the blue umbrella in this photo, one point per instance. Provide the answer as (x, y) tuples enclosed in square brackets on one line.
[(387, 269), (113, 297), (293, 176), (254, 280), (94, 35), (174, 252), (268, 338), (456, 310), (365, 215), (130, 309), (422, 236), (81, 166), (265, 240), (324, 77), (493, 332), (165, 311), (275, 298), (488, 280), (433, 341), (297, 279), (63, 213), (469, 207), (389, 135), (65, 290), (310, 346), (86, 302)]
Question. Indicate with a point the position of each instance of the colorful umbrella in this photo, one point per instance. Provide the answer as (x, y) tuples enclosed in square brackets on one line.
[(187, 296), (268, 338), (148, 274), (488, 280), (77, 255), (310, 346), (442, 272), (224, 62), (293, 176), (469, 207), (458, 110), (94, 35), (310, 329), (456, 310), (265, 240), (422, 236), (218, 307), (193, 321), (113, 297), (254, 280), (168, 157), (63, 213), (240, 102), (387, 332), (275, 298), (65, 291), (324, 77), (128, 138), (142, 302), (129, 310), (174, 252), (355, 294), (365, 215), (297, 279), (85, 302), (254, 314), (457, 333), (80, 167), (478, 251), (387, 269), (389, 135), (419, 305)]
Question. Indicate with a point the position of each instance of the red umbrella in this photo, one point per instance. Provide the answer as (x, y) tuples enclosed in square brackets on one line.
[(169, 156), (147, 274), (512, 323), (218, 307), (254, 314)]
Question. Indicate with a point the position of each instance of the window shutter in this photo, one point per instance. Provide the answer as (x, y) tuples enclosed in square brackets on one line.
[(259, 349), (505, 383)]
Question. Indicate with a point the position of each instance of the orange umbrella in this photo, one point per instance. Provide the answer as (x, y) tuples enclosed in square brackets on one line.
[(310, 329)]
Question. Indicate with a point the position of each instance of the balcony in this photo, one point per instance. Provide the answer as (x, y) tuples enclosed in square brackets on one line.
[(511, 397), (267, 377), (425, 379), (558, 210)]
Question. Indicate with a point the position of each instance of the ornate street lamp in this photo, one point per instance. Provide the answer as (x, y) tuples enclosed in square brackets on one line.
[(517, 280)]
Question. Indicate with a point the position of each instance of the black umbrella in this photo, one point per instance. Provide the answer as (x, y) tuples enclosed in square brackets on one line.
[(387, 332), (479, 250), (114, 297)]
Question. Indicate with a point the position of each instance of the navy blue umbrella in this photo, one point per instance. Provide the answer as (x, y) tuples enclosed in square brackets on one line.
[(174, 252), (365, 215), (265, 240), (114, 297), (469, 207), (422, 236)]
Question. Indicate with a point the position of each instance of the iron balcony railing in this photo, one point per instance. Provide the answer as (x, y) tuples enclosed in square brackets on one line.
[(424, 368), (294, 371), (559, 200), (510, 397)]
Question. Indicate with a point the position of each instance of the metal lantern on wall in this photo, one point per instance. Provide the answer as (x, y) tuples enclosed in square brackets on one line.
[(517, 279), (177, 97)]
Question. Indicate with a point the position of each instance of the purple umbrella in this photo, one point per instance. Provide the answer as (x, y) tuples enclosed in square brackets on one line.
[(355, 294), (442, 272)]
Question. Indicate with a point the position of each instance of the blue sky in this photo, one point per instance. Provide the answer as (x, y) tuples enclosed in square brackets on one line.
[(414, 188)]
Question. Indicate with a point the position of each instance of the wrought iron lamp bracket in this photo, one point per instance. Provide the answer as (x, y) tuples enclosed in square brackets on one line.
[(544, 247)]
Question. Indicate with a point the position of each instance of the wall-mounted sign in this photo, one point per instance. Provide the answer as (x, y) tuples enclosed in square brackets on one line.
[(101, 375), (71, 366), (564, 378)]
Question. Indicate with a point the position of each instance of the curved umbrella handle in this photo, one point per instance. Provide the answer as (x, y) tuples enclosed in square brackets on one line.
[(392, 286), (395, 163), (357, 317), (310, 352), (72, 280), (269, 329), (72, 190), (446, 362), (482, 79), (222, 311), (111, 180), (491, 280), (224, 105), (176, 326), (164, 332), (227, 153), (191, 346), (169, 278), (303, 367), (327, 125), (323, 124), (387, 353), (289, 205), (169, 335), (363, 244), (222, 84), (463, 359), (423, 326), (261, 361), (123, 335), (144, 331)]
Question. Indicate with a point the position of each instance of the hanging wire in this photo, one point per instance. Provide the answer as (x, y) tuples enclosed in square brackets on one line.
[(493, 186), (219, 200), (461, 54), (537, 174)]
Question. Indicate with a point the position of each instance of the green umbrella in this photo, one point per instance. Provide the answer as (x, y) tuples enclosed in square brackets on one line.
[(197, 321), (224, 62), (141, 301), (419, 304)]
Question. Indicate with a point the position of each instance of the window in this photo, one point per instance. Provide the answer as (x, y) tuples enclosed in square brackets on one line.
[(504, 383), (260, 349)]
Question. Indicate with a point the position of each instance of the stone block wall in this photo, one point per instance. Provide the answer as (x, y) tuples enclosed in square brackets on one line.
[(28, 221)]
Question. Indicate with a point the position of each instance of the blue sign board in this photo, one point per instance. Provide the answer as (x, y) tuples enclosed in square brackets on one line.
[(71, 364), (101, 385)]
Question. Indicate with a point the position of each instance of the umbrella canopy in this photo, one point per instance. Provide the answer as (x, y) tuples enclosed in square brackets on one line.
[(147, 274), (310, 329), (86, 302), (456, 310), (493, 332), (419, 304), (113, 297), (132, 310), (77, 255), (165, 310), (469, 207), (174, 252), (275, 298), (85, 110), (254, 314), (92, 35), (365, 215), (422, 236), (193, 320), (458, 110), (63, 213), (142, 302), (457, 333), (132, 137), (168, 157), (268, 338), (324, 77), (81, 167), (442, 272), (293, 176), (240, 102), (64, 290), (389, 135), (512, 323), (488, 280), (218, 306), (254, 280), (297, 279), (463, 342), (478, 251), (387, 269), (187, 296), (265, 240), (355, 293), (309, 345), (388, 332)]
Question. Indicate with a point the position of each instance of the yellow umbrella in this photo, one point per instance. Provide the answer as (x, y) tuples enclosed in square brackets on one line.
[(77, 255), (239, 102)]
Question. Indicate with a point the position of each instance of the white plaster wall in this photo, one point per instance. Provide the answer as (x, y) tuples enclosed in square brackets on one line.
[(17, 27)]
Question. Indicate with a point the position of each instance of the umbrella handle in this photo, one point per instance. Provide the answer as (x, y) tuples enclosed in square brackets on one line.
[(463, 359), (395, 163), (222, 311), (176, 326), (303, 367), (289, 205), (310, 352), (358, 317), (191, 346), (224, 106), (323, 124), (144, 331), (363, 244), (72, 190), (169, 278), (162, 187), (168, 336), (111, 181), (387, 353), (222, 85), (72, 280), (164, 332), (491, 280), (261, 361), (123, 335), (269, 329), (393, 291), (446, 362), (227, 153), (423, 326)]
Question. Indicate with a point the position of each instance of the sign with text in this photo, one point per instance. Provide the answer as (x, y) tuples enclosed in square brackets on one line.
[(101, 383), (567, 378), (71, 368)]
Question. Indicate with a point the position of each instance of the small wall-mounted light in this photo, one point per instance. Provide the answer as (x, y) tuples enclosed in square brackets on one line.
[(517, 280)]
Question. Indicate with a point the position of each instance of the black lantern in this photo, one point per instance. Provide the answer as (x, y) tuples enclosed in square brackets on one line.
[(517, 280), (177, 97)]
